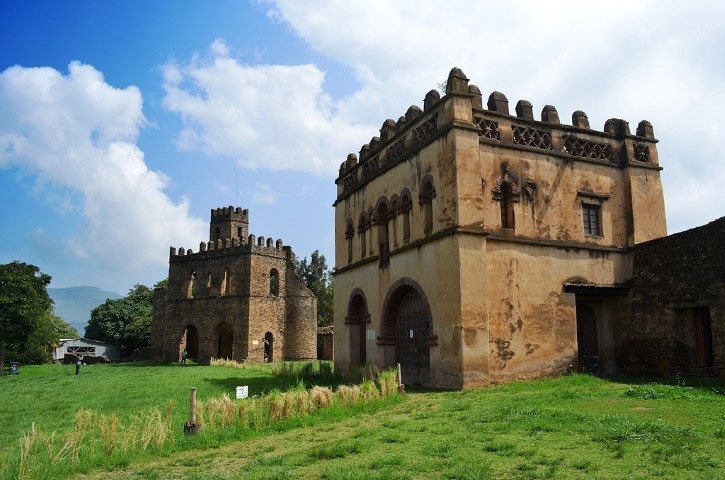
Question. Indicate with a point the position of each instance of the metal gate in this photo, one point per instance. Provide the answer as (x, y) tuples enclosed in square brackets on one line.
[(412, 330)]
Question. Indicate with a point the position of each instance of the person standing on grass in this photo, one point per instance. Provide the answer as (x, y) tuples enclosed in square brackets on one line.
[(79, 361), (184, 354)]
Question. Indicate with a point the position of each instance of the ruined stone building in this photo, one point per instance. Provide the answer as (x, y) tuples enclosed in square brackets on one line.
[(237, 297), (473, 245), (678, 305)]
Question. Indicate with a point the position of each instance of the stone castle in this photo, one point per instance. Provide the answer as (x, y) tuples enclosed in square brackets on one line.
[(237, 297), (475, 246)]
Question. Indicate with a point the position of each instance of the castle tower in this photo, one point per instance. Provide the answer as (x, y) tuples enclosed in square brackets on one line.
[(229, 222)]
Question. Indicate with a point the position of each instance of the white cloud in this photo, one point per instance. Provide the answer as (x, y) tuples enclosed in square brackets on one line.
[(660, 61), (264, 194), (271, 116), (77, 136)]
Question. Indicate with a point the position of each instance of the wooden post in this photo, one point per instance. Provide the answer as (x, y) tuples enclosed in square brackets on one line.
[(190, 427), (401, 387), (192, 405)]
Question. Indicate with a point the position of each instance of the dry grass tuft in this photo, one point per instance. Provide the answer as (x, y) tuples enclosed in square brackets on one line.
[(321, 397)]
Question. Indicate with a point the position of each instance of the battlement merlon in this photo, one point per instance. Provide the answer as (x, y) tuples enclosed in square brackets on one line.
[(462, 107)]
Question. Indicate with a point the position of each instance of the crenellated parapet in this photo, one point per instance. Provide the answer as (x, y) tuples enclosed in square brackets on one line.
[(462, 106), (231, 246), (230, 213)]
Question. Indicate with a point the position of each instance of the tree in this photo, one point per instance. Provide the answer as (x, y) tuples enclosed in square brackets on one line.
[(125, 322), (28, 327), (317, 277)]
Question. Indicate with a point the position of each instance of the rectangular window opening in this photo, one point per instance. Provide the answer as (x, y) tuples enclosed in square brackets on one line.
[(592, 223)]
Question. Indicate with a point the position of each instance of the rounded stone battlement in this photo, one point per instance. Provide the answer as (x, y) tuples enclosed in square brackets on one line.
[(418, 127)]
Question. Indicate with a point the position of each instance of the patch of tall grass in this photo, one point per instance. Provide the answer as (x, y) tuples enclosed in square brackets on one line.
[(226, 362), (96, 435), (304, 370)]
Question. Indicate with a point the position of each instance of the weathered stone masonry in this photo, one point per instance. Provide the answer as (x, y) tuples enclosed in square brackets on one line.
[(678, 305), (237, 297)]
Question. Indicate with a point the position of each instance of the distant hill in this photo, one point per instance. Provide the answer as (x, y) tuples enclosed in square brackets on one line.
[(74, 304)]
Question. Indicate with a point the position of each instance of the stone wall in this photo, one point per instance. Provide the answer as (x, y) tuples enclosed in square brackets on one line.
[(300, 320), (674, 277)]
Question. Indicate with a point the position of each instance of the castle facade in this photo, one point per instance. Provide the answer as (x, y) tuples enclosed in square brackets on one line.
[(475, 246), (237, 297)]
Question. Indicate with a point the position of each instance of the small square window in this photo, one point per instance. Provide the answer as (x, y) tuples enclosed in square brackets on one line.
[(592, 224)]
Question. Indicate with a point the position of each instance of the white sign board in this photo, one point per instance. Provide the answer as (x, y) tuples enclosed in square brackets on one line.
[(242, 392), (411, 334), (255, 342), (371, 335)]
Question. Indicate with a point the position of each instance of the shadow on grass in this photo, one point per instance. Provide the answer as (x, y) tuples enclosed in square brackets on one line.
[(705, 384), (257, 385), (152, 364)]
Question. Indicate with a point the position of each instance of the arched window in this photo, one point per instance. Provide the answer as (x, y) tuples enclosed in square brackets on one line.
[(405, 208), (381, 219), (225, 282), (273, 282), (427, 194), (371, 239), (507, 192), (507, 206), (208, 280), (393, 222), (191, 286), (349, 233), (361, 230)]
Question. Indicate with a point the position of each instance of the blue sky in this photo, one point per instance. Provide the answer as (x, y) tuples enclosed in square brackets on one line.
[(122, 123)]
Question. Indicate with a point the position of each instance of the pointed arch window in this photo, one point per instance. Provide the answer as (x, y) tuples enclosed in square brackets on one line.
[(507, 192), (361, 228), (393, 220), (274, 282), (381, 220), (406, 207), (349, 233), (191, 286), (225, 282), (427, 194), (508, 219)]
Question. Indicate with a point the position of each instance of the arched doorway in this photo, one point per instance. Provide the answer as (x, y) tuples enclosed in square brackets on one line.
[(587, 338), (357, 318), (190, 342), (407, 325), (225, 340), (268, 347)]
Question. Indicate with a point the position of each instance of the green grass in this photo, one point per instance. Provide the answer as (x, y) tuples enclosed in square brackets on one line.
[(50, 395), (564, 428)]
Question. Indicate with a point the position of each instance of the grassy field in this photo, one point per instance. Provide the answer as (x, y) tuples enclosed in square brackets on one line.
[(569, 427)]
